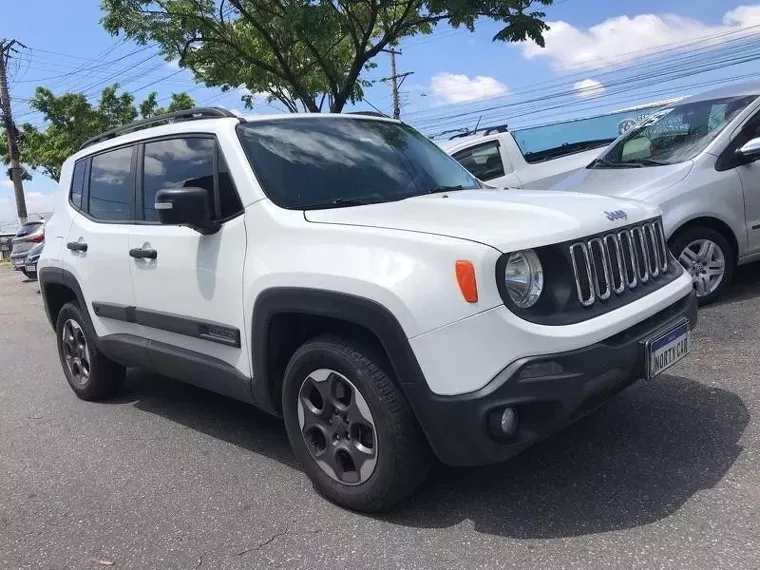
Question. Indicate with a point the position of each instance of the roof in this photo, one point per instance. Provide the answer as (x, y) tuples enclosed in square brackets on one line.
[(737, 90), (451, 146), (201, 120)]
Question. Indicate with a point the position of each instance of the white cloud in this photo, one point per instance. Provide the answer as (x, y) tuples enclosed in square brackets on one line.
[(623, 39), (588, 88), (5, 183), (459, 88), (37, 204)]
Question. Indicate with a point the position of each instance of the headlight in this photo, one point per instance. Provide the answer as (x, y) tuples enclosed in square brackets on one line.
[(524, 278)]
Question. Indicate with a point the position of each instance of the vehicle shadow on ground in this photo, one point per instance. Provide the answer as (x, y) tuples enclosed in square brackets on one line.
[(745, 285), (220, 417), (634, 461)]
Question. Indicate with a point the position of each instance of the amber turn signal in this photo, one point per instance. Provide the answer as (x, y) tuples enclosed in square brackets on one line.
[(466, 278)]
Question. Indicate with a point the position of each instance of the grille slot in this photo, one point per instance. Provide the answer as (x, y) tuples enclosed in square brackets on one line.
[(617, 262)]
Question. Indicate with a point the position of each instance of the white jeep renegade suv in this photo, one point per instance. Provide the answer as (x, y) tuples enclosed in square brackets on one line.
[(344, 272)]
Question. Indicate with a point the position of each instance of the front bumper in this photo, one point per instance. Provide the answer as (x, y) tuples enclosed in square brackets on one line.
[(546, 400)]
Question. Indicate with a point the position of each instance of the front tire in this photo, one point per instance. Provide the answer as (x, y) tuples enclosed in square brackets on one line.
[(709, 259), (351, 427), (91, 375)]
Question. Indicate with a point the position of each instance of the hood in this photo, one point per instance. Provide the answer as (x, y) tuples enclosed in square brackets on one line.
[(508, 220), (635, 183)]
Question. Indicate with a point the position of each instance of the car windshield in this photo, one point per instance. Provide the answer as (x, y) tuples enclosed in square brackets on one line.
[(675, 134), (312, 162)]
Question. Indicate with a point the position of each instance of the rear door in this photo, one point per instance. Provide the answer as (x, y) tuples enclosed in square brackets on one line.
[(97, 248), (190, 295)]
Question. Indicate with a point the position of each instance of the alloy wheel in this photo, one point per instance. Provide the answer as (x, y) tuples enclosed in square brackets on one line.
[(76, 354), (337, 426), (706, 263)]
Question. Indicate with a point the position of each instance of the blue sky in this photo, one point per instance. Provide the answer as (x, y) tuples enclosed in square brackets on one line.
[(458, 77)]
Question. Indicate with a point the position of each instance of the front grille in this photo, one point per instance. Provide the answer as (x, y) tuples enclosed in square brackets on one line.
[(618, 261)]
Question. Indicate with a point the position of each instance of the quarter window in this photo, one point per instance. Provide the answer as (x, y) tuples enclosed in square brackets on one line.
[(77, 184), (229, 200), (483, 161), (112, 186)]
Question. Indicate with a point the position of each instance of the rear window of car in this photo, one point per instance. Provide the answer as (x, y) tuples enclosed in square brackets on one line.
[(28, 228)]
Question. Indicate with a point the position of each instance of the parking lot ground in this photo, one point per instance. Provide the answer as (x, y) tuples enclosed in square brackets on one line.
[(167, 476)]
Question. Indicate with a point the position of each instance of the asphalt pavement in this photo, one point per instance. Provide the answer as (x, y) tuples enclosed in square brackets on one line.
[(168, 476)]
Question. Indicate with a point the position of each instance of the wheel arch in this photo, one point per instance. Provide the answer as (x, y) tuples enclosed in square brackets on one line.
[(713, 223), (284, 318), (58, 287)]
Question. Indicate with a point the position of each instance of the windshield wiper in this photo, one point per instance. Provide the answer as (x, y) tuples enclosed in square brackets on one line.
[(646, 162), (441, 189), (603, 162), (338, 203)]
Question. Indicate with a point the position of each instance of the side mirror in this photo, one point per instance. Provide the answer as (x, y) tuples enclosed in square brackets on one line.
[(749, 152), (186, 207)]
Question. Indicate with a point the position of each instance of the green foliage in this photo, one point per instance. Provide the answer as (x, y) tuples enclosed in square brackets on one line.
[(179, 101), (70, 120), (302, 53)]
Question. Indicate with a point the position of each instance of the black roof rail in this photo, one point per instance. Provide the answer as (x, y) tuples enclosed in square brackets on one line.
[(485, 130), (176, 116)]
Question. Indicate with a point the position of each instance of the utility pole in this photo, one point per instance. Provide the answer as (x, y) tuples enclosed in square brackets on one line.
[(395, 83), (10, 130)]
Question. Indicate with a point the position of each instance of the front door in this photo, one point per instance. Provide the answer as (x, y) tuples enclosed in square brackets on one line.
[(189, 287)]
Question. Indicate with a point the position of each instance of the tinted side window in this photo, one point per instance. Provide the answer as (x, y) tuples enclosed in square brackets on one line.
[(77, 183), (483, 162), (112, 186), (229, 200), (177, 163)]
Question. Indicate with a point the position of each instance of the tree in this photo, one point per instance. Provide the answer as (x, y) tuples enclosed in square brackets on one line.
[(180, 101), (302, 52), (71, 119)]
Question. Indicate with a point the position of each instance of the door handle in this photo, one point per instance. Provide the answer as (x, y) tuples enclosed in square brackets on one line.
[(140, 253), (77, 246)]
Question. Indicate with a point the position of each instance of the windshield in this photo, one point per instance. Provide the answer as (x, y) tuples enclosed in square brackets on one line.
[(675, 134), (545, 142), (312, 162)]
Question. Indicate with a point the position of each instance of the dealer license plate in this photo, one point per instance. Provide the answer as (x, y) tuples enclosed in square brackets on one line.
[(667, 349)]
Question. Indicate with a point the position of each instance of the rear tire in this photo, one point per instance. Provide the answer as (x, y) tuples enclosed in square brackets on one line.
[(91, 375), (703, 251), (337, 398)]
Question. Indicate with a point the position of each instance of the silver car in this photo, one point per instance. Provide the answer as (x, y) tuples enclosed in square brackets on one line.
[(697, 160), (29, 235)]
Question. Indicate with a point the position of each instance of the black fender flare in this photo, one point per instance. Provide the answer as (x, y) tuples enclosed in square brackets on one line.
[(58, 276), (349, 308)]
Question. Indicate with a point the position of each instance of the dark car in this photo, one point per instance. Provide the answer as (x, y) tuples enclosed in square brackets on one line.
[(30, 235), (30, 265)]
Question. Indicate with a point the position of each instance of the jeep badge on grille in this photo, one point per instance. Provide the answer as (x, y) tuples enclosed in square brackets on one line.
[(616, 215)]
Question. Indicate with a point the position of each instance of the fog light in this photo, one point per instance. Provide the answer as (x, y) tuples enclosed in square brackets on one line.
[(539, 369), (503, 423)]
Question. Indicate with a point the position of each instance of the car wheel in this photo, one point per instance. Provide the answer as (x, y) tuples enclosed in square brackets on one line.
[(351, 427), (709, 259), (89, 372)]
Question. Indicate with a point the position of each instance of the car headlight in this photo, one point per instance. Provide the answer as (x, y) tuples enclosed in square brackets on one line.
[(524, 278)]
